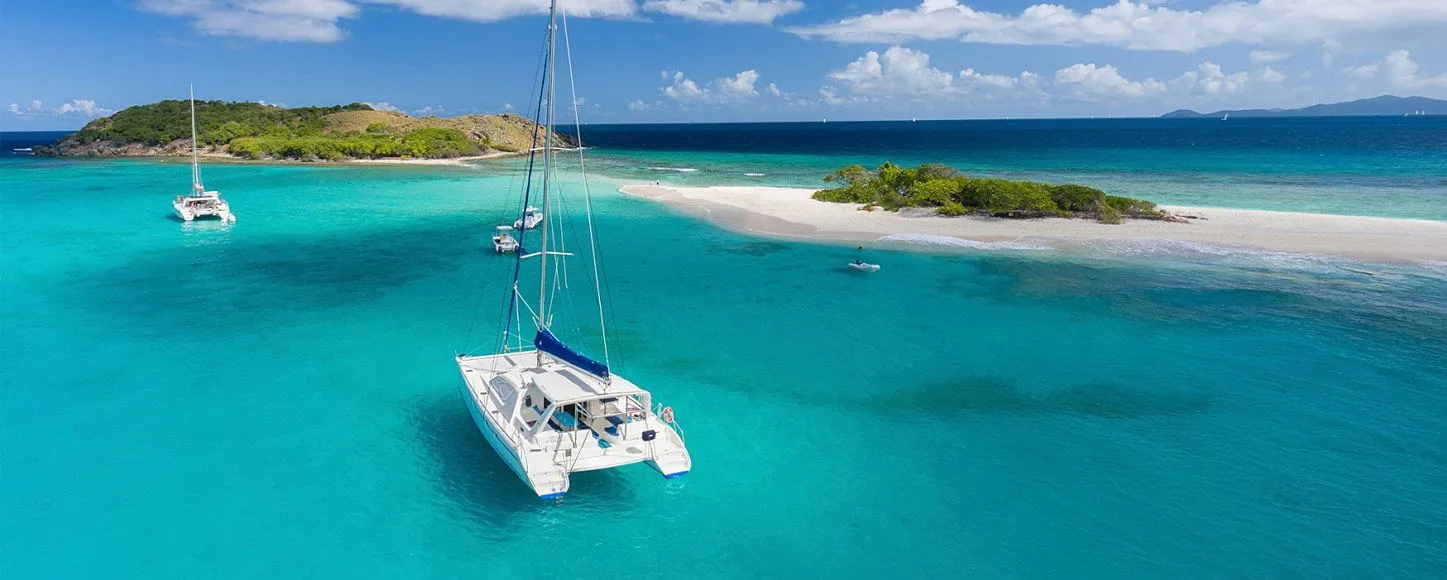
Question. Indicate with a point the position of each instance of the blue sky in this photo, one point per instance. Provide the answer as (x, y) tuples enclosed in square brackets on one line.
[(68, 61)]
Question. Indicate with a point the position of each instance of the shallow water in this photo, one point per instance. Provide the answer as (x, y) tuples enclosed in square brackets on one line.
[(278, 397)]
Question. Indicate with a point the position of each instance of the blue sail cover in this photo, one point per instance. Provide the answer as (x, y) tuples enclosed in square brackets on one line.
[(546, 342)]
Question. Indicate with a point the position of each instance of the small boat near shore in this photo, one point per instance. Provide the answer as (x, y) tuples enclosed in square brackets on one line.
[(864, 267)]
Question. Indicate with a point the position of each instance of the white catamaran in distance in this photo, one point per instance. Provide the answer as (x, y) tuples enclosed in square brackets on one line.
[(200, 203), (547, 409)]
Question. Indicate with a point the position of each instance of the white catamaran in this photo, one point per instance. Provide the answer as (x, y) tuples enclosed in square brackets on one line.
[(200, 203), (547, 409)]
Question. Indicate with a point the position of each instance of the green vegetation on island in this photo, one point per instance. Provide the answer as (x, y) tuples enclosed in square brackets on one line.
[(951, 193), (261, 131)]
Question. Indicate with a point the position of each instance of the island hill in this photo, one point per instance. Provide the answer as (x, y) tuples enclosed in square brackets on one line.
[(260, 131), (948, 192), (1375, 106)]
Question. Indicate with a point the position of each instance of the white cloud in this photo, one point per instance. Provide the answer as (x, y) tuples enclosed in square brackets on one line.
[(1270, 75), (429, 110), (898, 72), (85, 107), (272, 20), (774, 90), (507, 106), (1213, 81), (829, 96), (1026, 79), (739, 87), (1402, 71), (1144, 26), (637, 105), (318, 20), (739, 84), (1399, 70), (1091, 81), (908, 76), (1265, 56), (682, 89), (36, 105), (382, 106), (729, 11), (15, 109), (494, 10)]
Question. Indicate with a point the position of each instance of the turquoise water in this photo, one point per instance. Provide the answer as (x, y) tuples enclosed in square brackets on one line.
[(278, 398)]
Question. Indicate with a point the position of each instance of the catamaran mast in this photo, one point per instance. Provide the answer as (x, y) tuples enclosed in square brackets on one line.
[(548, 165), (195, 161)]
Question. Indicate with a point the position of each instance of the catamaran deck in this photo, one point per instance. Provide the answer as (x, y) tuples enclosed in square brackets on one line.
[(589, 424)]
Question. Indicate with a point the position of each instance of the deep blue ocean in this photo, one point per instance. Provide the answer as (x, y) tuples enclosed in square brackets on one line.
[(1379, 166), (279, 398)]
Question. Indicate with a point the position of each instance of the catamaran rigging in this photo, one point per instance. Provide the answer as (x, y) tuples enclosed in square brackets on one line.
[(200, 203), (550, 410)]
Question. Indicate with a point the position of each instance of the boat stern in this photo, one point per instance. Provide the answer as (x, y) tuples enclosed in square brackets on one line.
[(670, 456)]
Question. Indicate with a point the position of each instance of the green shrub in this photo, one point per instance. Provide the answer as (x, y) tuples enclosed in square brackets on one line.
[(1109, 215), (1077, 198), (851, 175), (935, 192), (953, 209), (933, 171), (1133, 207), (849, 194), (933, 185)]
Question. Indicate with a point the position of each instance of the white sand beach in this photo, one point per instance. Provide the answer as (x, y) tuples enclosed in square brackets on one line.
[(791, 213)]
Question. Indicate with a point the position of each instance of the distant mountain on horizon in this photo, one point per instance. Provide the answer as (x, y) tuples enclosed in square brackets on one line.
[(1375, 106)]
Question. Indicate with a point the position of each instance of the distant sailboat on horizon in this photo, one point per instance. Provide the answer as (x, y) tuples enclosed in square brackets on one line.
[(1225, 116)]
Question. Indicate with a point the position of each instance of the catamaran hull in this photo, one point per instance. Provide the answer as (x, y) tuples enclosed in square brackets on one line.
[(489, 432), (188, 214)]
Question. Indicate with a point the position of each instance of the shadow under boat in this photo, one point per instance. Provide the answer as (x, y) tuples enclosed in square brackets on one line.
[(469, 473)]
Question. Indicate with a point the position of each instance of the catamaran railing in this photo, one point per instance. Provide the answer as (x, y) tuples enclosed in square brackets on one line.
[(677, 428)]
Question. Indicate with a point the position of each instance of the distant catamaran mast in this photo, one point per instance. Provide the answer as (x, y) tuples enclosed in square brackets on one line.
[(199, 203), (195, 155)]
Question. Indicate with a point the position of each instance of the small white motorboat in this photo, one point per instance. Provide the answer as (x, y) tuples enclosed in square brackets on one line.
[(531, 218), (863, 267), (503, 242)]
